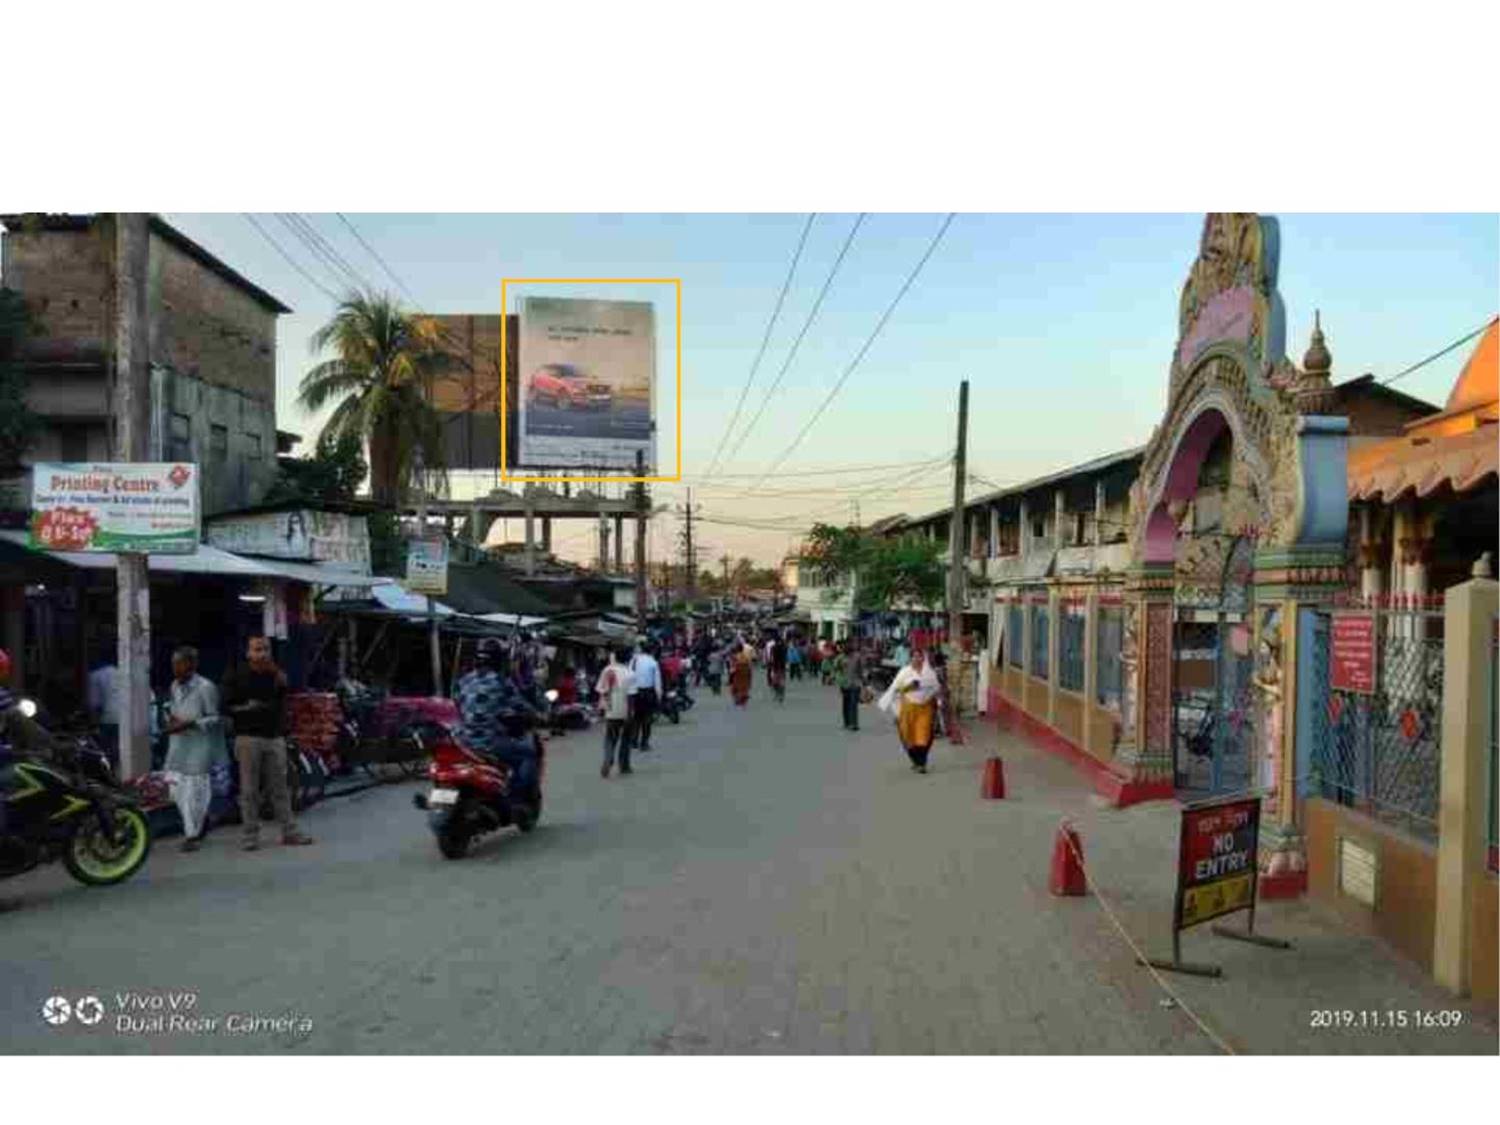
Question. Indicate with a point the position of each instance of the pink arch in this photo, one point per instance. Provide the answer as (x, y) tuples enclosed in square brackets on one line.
[(1182, 482)]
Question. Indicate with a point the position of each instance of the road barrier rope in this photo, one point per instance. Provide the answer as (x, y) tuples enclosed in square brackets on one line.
[(1141, 957)]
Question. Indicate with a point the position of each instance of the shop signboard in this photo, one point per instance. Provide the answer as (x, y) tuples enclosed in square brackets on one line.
[(1351, 657), (588, 380), (145, 507), (427, 566)]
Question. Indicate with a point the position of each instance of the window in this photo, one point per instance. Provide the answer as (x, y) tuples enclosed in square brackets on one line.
[(1070, 638), (1015, 624), (1040, 619), (252, 446), (1111, 637), (179, 438), (1010, 539), (1080, 529), (73, 442), (218, 443), (1039, 527)]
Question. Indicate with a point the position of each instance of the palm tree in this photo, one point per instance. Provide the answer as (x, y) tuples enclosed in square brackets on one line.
[(381, 372)]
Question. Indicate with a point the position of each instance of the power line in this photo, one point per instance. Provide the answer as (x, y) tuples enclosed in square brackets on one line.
[(797, 343), (813, 472), (765, 340), (289, 259), (370, 250), (339, 275), (1438, 355), (860, 355)]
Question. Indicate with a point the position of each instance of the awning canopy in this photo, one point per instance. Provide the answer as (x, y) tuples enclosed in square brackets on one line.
[(1389, 469), (209, 561)]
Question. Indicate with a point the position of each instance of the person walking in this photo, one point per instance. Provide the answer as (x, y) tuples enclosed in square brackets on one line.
[(794, 659), (195, 745), (713, 669), (613, 690), (255, 697), (104, 703), (646, 674), (912, 700), (851, 683), (741, 672), (776, 668)]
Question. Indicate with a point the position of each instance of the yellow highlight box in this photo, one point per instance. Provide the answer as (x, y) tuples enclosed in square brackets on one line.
[(506, 282)]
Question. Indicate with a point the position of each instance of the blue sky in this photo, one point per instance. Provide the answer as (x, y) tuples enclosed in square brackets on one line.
[(1064, 325)]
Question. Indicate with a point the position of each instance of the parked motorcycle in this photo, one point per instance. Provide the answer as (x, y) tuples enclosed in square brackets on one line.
[(70, 807), (563, 717), (475, 792)]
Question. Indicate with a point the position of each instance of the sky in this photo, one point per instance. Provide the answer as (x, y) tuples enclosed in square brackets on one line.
[(1063, 324)]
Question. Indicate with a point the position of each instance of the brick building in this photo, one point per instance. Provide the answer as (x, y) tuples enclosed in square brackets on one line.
[(212, 351)]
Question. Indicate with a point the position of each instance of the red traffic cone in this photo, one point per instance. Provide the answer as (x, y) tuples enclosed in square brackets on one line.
[(992, 783), (1067, 863)]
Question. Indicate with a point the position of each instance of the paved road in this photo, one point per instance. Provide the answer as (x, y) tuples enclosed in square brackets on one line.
[(765, 883)]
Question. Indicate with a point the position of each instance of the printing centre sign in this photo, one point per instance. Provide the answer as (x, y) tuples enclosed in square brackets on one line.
[(141, 507), (1216, 868)]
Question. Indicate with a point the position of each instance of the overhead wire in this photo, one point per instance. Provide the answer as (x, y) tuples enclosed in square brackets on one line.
[(1438, 355), (765, 340), (288, 258), (865, 347), (801, 335)]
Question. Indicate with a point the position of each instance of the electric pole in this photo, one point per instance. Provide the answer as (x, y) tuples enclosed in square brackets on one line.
[(132, 412), (957, 564)]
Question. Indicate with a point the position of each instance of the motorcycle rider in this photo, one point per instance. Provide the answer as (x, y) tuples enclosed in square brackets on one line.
[(486, 696)]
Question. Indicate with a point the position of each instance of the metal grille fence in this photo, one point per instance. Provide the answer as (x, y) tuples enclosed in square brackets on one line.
[(1070, 640), (1382, 752), (1492, 776), (1111, 634), (1040, 620)]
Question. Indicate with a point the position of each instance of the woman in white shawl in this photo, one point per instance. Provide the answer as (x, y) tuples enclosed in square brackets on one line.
[(912, 699)]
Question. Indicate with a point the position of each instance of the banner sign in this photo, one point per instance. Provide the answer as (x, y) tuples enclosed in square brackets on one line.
[(1351, 656), (427, 566), (588, 377), (139, 507), (1217, 865)]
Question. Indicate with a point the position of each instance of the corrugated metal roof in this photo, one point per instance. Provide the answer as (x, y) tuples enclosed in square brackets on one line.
[(1097, 465)]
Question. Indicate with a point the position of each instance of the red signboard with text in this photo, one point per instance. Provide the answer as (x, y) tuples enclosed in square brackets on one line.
[(1217, 863), (1351, 653)]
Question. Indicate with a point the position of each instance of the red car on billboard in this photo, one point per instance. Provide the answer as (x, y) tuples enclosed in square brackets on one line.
[(563, 386)]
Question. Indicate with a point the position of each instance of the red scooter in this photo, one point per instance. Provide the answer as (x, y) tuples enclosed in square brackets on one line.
[(474, 792)]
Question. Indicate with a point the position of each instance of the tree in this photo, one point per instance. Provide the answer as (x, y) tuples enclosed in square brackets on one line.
[(333, 473), (884, 571), (380, 374), (18, 425)]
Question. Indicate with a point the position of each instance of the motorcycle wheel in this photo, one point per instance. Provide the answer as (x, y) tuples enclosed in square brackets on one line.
[(94, 861), (453, 842)]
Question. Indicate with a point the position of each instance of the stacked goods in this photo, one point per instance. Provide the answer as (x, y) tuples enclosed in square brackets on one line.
[(397, 712), (313, 720)]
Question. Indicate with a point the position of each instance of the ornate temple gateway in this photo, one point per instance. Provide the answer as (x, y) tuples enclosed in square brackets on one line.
[(1237, 520)]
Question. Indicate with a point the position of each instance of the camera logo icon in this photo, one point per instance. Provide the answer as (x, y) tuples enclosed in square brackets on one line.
[(89, 1010), (56, 1010)]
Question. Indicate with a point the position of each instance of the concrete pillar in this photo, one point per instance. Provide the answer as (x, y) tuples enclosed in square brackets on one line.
[(1369, 555), (546, 535), (1099, 509), (1059, 514), (1024, 541), (530, 540), (1054, 650), (620, 543), (1090, 669), (1468, 697), (994, 544), (603, 543)]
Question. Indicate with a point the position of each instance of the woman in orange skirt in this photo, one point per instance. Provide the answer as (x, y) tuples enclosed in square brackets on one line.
[(912, 701), (741, 674)]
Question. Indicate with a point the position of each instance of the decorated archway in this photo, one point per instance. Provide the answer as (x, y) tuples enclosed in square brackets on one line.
[(1239, 509)]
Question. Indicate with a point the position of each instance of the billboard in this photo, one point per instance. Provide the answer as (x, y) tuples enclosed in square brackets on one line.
[(137, 506), (587, 382)]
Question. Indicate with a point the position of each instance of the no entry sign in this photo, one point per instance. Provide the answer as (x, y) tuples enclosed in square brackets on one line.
[(1216, 869)]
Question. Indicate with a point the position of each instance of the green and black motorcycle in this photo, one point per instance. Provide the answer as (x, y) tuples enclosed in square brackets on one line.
[(65, 802)]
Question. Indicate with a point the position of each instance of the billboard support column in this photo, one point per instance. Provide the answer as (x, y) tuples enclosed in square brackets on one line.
[(640, 540), (530, 537), (619, 544), (132, 411)]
